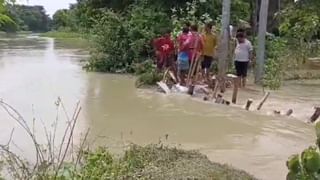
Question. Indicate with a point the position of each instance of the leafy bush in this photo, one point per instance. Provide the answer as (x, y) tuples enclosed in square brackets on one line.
[(148, 78), (274, 65), (154, 162), (306, 166), (122, 40), (273, 75), (191, 13), (146, 66)]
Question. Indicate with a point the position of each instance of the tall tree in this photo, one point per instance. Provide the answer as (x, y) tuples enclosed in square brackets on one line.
[(6, 22), (263, 20), (29, 18)]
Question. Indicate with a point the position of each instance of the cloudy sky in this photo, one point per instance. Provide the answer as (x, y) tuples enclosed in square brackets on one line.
[(50, 5)]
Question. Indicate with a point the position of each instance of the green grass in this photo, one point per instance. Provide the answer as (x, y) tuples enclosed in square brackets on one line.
[(153, 162), (302, 75), (69, 39), (62, 35)]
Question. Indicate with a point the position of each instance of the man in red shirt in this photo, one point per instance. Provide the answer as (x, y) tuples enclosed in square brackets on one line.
[(164, 48), (196, 45)]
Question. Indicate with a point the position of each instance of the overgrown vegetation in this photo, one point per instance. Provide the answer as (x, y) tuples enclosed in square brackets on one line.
[(121, 41), (306, 166), (298, 41), (63, 160), (276, 52), (123, 35), (128, 32), (6, 22), (122, 30)]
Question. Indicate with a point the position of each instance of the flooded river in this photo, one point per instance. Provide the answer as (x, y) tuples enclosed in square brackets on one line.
[(35, 71)]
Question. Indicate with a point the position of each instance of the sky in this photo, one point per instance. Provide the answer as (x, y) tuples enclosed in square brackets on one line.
[(51, 6)]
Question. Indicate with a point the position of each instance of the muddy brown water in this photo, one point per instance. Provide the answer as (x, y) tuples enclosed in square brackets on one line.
[(35, 71)]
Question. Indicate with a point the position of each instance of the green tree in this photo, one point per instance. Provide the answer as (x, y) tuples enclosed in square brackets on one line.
[(30, 18), (301, 20), (6, 22), (306, 166), (65, 19)]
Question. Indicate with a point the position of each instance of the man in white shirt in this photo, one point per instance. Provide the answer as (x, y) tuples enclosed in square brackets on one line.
[(243, 55)]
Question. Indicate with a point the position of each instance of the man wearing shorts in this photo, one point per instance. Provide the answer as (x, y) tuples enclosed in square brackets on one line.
[(183, 55), (243, 55), (209, 40)]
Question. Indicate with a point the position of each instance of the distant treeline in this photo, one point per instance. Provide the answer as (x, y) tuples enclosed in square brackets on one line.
[(27, 18)]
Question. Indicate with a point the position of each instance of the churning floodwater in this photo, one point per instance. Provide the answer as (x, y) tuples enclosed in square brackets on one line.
[(35, 71)]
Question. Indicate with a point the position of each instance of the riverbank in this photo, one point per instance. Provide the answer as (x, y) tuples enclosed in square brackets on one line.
[(62, 35), (71, 39), (137, 162), (158, 162), (36, 72)]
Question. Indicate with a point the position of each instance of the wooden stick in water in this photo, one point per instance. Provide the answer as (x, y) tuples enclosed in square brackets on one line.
[(190, 70), (173, 77), (219, 99), (191, 89), (165, 75), (198, 69), (315, 115), (216, 88), (194, 68), (249, 102), (164, 87), (235, 90), (264, 99), (289, 112)]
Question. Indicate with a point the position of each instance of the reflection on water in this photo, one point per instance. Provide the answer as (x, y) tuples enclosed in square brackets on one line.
[(34, 72)]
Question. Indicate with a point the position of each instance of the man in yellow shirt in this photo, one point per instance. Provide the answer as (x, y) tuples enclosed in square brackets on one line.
[(209, 49)]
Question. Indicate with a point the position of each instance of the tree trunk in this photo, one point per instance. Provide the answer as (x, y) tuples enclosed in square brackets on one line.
[(263, 19), (224, 44)]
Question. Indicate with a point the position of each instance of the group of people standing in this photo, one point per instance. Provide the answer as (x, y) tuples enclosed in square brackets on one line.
[(192, 53)]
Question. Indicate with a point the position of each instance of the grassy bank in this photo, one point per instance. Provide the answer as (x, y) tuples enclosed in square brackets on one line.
[(62, 35), (150, 162), (302, 75), (70, 39)]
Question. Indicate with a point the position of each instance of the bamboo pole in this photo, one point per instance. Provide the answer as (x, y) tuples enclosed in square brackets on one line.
[(215, 91), (190, 69), (264, 99), (219, 99), (194, 57), (191, 90), (164, 87), (235, 90), (195, 67), (315, 115), (173, 77), (249, 102)]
